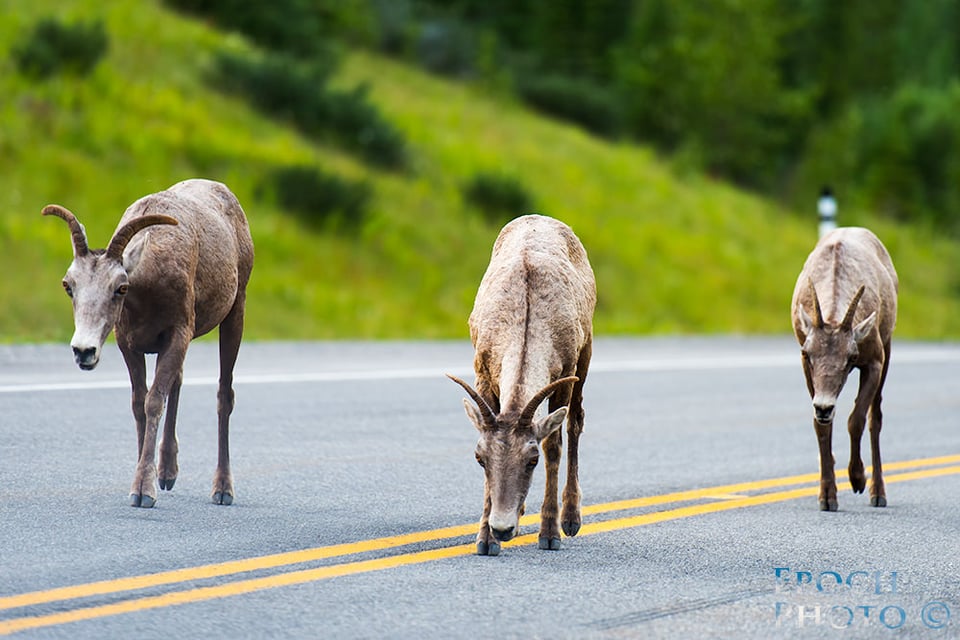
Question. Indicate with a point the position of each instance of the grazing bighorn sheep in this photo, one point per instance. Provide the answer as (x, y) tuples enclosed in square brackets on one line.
[(849, 286), (532, 329), (160, 289)]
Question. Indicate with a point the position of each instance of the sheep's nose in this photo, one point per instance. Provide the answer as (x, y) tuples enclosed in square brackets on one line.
[(86, 358), (824, 412), (502, 534)]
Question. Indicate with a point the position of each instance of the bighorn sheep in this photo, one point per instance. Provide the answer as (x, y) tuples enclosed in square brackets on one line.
[(532, 331), (850, 277), (160, 289)]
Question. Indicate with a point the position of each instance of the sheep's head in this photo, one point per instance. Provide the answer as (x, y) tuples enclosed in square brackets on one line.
[(830, 352), (97, 283), (508, 451)]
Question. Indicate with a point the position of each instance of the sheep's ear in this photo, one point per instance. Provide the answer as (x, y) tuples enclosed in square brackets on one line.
[(548, 424), (863, 329), (806, 322), (132, 254), (474, 414)]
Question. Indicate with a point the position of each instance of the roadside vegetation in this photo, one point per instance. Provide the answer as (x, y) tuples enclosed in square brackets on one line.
[(352, 247)]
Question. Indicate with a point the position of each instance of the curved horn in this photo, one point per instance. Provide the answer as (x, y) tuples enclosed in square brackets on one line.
[(79, 236), (526, 416), (488, 417), (818, 320), (848, 319), (125, 233)]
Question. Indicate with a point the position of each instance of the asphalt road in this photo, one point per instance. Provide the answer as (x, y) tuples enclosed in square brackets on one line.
[(356, 494)]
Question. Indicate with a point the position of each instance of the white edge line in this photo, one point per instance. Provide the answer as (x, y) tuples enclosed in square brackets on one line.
[(663, 364)]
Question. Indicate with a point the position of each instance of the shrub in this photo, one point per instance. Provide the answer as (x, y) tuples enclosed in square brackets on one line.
[(298, 27), (283, 87), (53, 47), (500, 197), (576, 100), (318, 198)]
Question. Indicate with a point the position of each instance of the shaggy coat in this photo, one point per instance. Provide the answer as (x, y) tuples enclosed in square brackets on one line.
[(176, 268), (844, 310), (532, 330)]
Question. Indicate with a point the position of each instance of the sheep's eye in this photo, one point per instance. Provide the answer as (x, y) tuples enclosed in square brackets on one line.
[(67, 288), (121, 290)]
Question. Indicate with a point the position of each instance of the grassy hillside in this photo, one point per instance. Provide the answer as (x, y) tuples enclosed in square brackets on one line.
[(672, 252)]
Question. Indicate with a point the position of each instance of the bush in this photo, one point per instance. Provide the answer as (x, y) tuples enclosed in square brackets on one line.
[(298, 27), (500, 197), (577, 100), (54, 47), (281, 86), (318, 198)]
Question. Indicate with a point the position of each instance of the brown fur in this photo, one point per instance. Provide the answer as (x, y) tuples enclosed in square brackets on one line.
[(531, 327), (844, 310), (181, 280)]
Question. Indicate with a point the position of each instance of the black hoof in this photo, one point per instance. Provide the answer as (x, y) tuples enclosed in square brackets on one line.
[(878, 501), (223, 498), (167, 483), (828, 505), (142, 501), (488, 549), (550, 544), (570, 528)]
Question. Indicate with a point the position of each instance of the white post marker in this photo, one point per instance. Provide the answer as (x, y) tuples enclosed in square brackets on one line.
[(827, 208)]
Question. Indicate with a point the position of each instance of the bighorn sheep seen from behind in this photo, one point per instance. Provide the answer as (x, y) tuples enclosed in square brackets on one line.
[(532, 331), (161, 288), (844, 311)]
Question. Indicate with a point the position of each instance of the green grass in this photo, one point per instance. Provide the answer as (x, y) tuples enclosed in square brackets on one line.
[(674, 252)]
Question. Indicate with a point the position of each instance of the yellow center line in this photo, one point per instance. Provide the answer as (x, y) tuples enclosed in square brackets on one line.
[(321, 573), (273, 561)]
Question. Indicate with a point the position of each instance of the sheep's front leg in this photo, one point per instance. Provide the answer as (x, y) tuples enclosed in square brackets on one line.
[(137, 369), (143, 491), (878, 494), (869, 378), (828, 482), (487, 545), (549, 521), (570, 518)]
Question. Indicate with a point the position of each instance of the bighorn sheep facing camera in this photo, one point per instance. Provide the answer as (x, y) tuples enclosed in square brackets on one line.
[(844, 310), (160, 289), (532, 329)]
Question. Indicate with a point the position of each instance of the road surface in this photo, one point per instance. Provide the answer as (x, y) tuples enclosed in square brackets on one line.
[(357, 497)]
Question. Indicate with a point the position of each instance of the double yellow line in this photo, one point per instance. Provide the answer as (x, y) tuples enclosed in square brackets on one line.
[(709, 500)]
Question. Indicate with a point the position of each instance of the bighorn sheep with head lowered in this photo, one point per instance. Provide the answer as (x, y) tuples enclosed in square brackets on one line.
[(844, 310), (532, 330), (160, 289)]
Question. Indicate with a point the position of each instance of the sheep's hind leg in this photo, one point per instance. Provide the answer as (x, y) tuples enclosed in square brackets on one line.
[(168, 469), (231, 333)]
